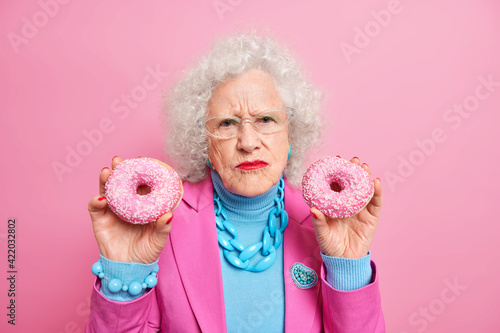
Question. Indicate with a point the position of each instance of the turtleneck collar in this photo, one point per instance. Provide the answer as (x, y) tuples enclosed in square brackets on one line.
[(241, 206)]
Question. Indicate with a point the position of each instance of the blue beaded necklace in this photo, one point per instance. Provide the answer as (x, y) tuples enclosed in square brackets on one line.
[(271, 239)]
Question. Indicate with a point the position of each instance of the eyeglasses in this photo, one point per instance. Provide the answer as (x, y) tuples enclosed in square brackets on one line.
[(267, 121)]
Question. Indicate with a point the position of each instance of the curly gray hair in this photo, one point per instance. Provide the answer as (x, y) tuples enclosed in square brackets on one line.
[(186, 102)]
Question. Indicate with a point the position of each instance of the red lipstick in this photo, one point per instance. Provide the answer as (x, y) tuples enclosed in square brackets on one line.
[(252, 165)]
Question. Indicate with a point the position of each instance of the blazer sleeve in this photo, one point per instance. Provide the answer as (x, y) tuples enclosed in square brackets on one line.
[(356, 311), (139, 315)]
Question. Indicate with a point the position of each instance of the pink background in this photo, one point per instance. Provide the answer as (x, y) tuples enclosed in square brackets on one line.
[(65, 76)]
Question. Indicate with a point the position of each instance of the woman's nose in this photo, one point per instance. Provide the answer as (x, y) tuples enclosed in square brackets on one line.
[(248, 138)]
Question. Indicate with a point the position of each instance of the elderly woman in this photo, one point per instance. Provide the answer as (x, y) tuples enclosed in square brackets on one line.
[(240, 120)]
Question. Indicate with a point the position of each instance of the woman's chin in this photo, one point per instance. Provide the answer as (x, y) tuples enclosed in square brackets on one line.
[(252, 186)]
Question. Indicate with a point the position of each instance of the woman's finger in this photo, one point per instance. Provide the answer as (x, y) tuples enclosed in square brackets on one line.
[(164, 225), (355, 160), (376, 202), (319, 219), (97, 206), (105, 172), (367, 169), (103, 178), (115, 161)]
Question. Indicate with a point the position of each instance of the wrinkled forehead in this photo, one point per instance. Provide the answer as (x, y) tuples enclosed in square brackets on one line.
[(245, 95)]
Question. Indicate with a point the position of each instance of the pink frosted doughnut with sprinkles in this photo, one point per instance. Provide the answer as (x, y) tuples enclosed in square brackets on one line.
[(125, 179), (338, 188)]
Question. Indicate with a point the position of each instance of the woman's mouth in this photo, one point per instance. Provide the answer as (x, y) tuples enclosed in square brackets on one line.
[(252, 165)]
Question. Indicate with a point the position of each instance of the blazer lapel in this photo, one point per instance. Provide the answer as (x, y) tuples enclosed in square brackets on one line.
[(196, 252), (300, 246)]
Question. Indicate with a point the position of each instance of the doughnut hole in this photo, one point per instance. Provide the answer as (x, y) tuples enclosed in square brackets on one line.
[(335, 187), (143, 189)]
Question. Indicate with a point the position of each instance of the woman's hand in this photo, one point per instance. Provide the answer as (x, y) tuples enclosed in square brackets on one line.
[(122, 241), (349, 237)]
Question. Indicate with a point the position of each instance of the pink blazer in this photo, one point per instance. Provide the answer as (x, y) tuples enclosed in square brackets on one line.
[(189, 295)]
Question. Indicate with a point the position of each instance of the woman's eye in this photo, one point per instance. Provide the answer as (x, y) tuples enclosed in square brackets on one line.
[(227, 123), (266, 119)]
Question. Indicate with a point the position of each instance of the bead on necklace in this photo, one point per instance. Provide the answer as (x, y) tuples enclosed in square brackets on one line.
[(271, 239)]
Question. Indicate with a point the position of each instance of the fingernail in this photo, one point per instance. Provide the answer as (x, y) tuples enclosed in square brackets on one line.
[(314, 215), (139, 156), (378, 179), (101, 198), (339, 156), (114, 157), (170, 219), (365, 164), (103, 169), (356, 157)]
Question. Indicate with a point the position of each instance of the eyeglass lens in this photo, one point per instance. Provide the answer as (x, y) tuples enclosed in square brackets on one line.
[(265, 123)]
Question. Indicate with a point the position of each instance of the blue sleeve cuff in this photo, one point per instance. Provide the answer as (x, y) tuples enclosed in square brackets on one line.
[(348, 274), (125, 272)]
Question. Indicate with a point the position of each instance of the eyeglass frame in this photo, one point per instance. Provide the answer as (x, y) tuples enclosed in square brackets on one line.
[(288, 110)]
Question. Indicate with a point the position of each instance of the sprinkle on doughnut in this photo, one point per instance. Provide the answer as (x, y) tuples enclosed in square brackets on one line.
[(338, 188), (126, 203)]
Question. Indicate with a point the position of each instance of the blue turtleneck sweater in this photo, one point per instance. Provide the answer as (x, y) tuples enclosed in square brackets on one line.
[(253, 301)]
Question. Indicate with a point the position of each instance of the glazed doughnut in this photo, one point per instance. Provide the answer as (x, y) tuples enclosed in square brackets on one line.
[(338, 188), (126, 203)]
